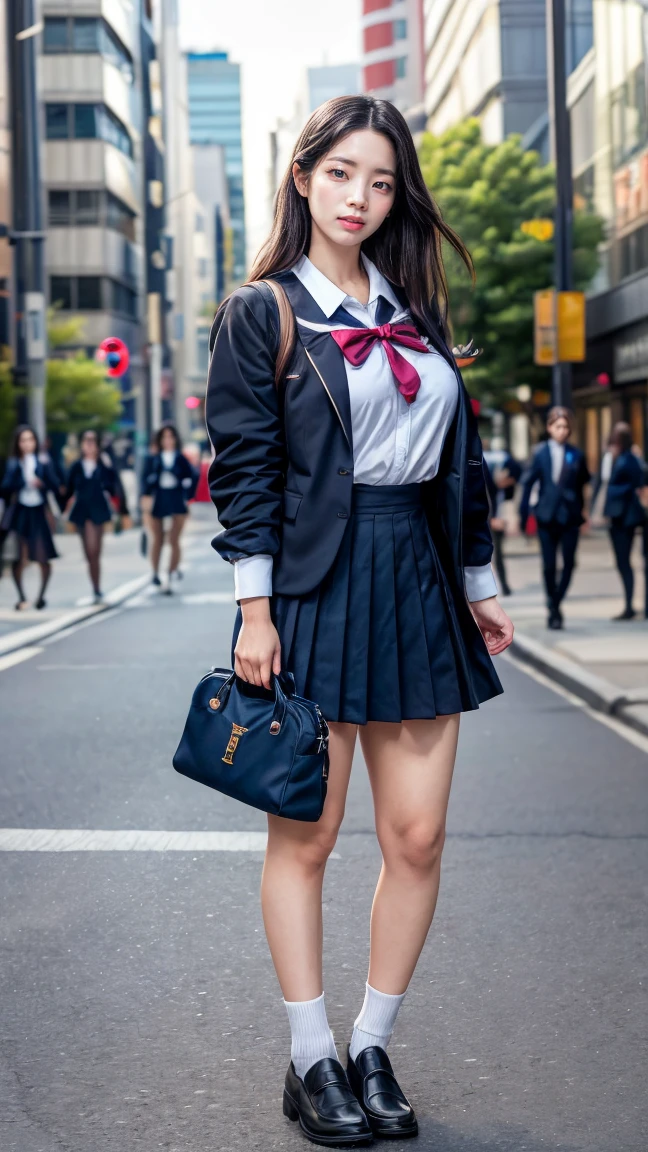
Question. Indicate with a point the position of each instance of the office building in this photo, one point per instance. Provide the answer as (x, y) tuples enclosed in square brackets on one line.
[(214, 101), (392, 51)]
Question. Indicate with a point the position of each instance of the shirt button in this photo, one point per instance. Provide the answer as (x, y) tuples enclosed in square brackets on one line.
[(343, 515)]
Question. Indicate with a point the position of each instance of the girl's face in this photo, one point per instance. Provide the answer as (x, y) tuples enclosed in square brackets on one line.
[(352, 188), (26, 442), (89, 446), (167, 441)]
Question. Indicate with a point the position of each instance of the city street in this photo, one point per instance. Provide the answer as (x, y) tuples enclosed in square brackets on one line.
[(140, 1006)]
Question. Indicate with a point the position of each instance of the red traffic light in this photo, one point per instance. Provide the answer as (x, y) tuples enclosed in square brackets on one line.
[(114, 353)]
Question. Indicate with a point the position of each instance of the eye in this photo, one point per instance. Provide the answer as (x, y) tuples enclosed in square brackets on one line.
[(385, 186), (337, 172)]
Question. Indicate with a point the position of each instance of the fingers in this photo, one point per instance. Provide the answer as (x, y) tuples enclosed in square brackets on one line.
[(276, 661)]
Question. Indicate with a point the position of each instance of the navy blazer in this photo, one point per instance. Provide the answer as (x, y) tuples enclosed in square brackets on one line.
[(282, 476), (14, 480), (182, 469), (622, 505), (558, 504)]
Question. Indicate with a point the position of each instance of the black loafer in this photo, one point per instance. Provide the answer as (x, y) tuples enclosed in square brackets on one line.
[(385, 1105), (325, 1106)]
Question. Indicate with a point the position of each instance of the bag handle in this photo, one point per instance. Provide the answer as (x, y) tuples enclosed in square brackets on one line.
[(287, 328), (281, 701)]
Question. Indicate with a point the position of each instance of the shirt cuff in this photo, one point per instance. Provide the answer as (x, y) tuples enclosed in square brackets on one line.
[(480, 582), (253, 576)]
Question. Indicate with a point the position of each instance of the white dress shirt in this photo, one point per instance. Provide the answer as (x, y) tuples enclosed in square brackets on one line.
[(30, 495), (557, 453), (168, 479), (393, 442), (89, 466)]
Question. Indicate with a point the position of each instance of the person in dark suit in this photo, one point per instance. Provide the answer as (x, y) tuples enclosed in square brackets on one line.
[(27, 480), (560, 471), (502, 475), (168, 482), (90, 485), (623, 507), (350, 489)]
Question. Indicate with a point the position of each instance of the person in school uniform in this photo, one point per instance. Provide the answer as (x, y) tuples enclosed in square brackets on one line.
[(168, 483), (27, 480), (502, 475), (354, 512), (625, 477), (91, 483), (561, 473)]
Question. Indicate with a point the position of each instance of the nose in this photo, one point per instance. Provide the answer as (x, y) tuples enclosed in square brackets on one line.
[(357, 196)]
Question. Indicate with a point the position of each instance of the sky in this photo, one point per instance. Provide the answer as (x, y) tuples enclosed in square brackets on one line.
[(273, 41)]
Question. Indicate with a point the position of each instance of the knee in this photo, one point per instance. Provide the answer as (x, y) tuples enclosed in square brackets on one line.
[(311, 852), (416, 846)]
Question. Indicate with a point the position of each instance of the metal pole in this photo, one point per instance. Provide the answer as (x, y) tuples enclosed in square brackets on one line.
[(561, 149), (27, 231)]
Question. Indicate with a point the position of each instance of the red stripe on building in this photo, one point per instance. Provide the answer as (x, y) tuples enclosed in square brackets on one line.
[(379, 75), (375, 5), (378, 36)]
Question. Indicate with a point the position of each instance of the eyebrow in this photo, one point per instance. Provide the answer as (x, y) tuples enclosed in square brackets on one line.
[(380, 171)]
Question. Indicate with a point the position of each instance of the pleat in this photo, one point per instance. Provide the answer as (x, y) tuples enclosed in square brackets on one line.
[(417, 686), (327, 668), (384, 680), (356, 631), (440, 652)]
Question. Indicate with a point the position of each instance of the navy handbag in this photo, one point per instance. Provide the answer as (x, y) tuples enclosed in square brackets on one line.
[(266, 748)]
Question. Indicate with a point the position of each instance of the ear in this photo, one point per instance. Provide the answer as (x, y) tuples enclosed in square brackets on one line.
[(301, 180)]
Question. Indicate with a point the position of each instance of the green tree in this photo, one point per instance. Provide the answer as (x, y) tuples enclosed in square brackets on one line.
[(8, 405), (485, 192), (78, 394)]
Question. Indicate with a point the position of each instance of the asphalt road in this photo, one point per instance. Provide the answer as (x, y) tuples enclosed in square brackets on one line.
[(139, 1007)]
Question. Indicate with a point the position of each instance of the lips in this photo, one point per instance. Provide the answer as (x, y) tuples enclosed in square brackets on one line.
[(352, 222)]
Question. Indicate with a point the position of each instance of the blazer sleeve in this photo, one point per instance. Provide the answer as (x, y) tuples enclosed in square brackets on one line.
[(149, 477), (12, 480), (246, 476), (529, 478), (189, 478), (477, 539)]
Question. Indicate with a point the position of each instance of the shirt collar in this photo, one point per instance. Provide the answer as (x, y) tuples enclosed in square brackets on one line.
[(328, 296)]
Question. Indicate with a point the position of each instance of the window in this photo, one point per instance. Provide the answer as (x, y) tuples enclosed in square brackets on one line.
[(85, 35), (61, 291), (89, 293), (59, 209), (57, 122), (112, 130), (119, 217), (200, 222), (87, 207), (400, 29), (85, 127), (401, 67), (56, 34), (124, 300)]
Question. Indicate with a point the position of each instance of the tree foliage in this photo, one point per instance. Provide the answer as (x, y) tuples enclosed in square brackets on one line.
[(485, 192), (78, 394)]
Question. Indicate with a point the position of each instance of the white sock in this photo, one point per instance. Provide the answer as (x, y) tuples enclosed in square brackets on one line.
[(375, 1023), (312, 1038)]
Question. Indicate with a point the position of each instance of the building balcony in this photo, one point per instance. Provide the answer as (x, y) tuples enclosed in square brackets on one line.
[(91, 164)]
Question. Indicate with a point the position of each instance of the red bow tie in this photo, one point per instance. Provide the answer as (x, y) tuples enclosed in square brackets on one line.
[(356, 344)]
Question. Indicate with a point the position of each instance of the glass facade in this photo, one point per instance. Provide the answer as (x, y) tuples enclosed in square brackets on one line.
[(86, 122), (214, 85)]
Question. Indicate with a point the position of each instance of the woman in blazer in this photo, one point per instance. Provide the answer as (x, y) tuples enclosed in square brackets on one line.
[(27, 480), (168, 483), (91, 484), (355, 514), (560, 470), (623, 507)]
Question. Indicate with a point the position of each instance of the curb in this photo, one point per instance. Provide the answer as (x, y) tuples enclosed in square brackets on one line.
[(630, 706), (26, 637)]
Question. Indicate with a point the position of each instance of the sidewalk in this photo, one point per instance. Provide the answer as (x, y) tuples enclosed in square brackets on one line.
[(124, 571), (603, 661)]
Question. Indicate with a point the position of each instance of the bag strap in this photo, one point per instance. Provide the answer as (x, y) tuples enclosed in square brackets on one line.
[(287, 328)]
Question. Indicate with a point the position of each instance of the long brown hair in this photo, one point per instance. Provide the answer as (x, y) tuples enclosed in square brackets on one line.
[(407, 248)]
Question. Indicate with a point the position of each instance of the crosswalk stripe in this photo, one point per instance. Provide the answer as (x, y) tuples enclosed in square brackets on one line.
[(127, 840)]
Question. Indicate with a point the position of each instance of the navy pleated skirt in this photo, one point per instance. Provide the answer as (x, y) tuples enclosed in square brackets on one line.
[(381, 637), (169, 502), (31, 527)]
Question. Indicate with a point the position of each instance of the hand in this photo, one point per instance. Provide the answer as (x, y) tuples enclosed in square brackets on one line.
[(37, 483), (493, 623), (258, 648), (497, 524)]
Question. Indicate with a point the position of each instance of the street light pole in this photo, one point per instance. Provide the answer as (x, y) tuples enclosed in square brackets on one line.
[(27, 233), (561, 149)]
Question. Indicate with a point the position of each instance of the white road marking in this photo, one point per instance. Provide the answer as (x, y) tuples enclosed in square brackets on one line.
[(130, 840), (12, 658), (630, 734), (208, 598)]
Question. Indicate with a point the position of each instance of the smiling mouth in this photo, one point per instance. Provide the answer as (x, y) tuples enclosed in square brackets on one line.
[(352, 219)]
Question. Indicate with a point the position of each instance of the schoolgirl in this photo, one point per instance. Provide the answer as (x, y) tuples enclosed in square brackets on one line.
[(168, 483), (91, 483), (622, 507), (27, 480), (354, 511)]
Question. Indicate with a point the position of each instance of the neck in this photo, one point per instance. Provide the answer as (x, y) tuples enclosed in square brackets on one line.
[(341, 265)]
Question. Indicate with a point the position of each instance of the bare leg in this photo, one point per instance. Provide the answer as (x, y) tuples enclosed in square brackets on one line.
[(293, 874), (157, 537), (177, 525), (410, 768)]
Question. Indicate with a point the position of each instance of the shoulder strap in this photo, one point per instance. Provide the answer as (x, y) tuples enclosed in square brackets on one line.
[(287, 327)]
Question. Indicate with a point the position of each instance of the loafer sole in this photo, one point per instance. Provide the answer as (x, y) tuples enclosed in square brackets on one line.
[(392, 1133), (291, 1110)]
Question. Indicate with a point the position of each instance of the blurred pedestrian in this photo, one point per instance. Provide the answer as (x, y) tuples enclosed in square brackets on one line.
[(560, 471), (90, 486), (168, 483), (27, 480), (622, 507), (503, 473), (361, 555)]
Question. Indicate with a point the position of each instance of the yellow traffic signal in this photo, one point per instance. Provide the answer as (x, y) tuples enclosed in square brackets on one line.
[(539, 229)]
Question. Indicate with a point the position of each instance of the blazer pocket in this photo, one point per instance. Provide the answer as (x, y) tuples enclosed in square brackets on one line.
[(291, 502), (475, 463)]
